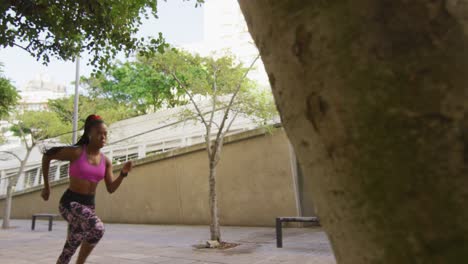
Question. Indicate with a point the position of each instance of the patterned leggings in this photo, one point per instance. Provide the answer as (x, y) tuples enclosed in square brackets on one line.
[(83, 224)]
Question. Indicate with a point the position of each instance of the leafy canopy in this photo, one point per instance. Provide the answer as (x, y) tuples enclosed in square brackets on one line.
[(136, 84), (110, 111), (8, 95), (62, 29), (57, 122), (222, 80), (38, 124)]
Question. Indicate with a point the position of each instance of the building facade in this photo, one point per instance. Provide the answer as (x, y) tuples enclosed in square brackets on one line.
[(37, 92), (225, 31)]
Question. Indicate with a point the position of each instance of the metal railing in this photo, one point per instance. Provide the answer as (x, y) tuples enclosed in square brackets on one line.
[(32, 175)]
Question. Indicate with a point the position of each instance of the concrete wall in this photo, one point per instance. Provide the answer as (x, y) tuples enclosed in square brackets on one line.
[(255, 184)]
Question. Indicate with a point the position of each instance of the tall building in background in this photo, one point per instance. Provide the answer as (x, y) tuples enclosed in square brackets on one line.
[(225, 29), (37, 92)]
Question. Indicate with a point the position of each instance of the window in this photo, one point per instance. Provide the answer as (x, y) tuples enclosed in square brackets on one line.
[(123, 158), (132, 156), (64, 171), (29, 177), (40, 176), (119, 159), (52, 172)]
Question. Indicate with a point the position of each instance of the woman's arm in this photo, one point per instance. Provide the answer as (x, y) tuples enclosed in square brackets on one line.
[(65, 153), (113, 184)]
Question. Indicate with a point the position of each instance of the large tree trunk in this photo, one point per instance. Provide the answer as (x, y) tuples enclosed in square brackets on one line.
[(215, 232), (373, 95)]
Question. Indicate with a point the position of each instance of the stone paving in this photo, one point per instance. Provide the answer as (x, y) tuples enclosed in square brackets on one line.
[(167, 244)]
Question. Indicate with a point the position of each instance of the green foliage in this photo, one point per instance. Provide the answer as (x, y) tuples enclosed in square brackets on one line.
[(110, 111), (58, 121), (190, 69), (62, 29), (8, 95), (258, 104), (39, 124), (2, 137), (219, 79), (137, 85)]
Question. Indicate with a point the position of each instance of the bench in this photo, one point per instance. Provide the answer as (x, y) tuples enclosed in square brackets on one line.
[(281, 220), (50, 216)]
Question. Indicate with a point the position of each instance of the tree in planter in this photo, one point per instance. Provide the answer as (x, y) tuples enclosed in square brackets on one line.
[(224, 82), (135, 84), (31, 127), (373, 96)]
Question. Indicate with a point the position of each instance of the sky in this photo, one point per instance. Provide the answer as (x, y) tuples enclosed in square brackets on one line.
[(179, 21)]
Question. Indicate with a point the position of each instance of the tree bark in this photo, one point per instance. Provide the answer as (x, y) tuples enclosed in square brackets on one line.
[(7, 208), (10, 188), (215, 231), (373, 96)]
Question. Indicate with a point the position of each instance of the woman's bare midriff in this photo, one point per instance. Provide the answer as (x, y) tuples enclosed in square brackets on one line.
[(82, 186)]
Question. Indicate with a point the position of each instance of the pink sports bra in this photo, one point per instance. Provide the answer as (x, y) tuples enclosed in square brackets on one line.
[(82, 169)]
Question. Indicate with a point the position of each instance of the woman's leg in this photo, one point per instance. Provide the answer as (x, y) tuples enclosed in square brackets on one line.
[(74, 237), (85, 250), (93, 233)]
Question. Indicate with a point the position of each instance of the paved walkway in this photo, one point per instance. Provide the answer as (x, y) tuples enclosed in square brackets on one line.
[(167, 245)]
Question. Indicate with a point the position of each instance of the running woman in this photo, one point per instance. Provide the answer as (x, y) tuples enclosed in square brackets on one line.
[(88, 166)]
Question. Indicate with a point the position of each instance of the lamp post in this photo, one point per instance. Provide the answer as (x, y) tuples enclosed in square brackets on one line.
[(75, 106)]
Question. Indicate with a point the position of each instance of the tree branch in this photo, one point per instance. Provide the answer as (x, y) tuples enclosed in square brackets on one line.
[(220, 135), (220, 141), (25, 49), (217, 150), (208, 132), (200, 114), (11, 153), (33, 143), (191, 98), (228, 108), (213, 97), (230, 124), (214, 123), (23, 135)]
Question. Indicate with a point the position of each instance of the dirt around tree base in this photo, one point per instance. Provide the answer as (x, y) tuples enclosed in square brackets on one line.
[(227, 245), (220, 246)]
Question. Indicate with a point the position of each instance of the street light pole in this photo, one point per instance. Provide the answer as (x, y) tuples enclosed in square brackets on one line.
[(75, 108)]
